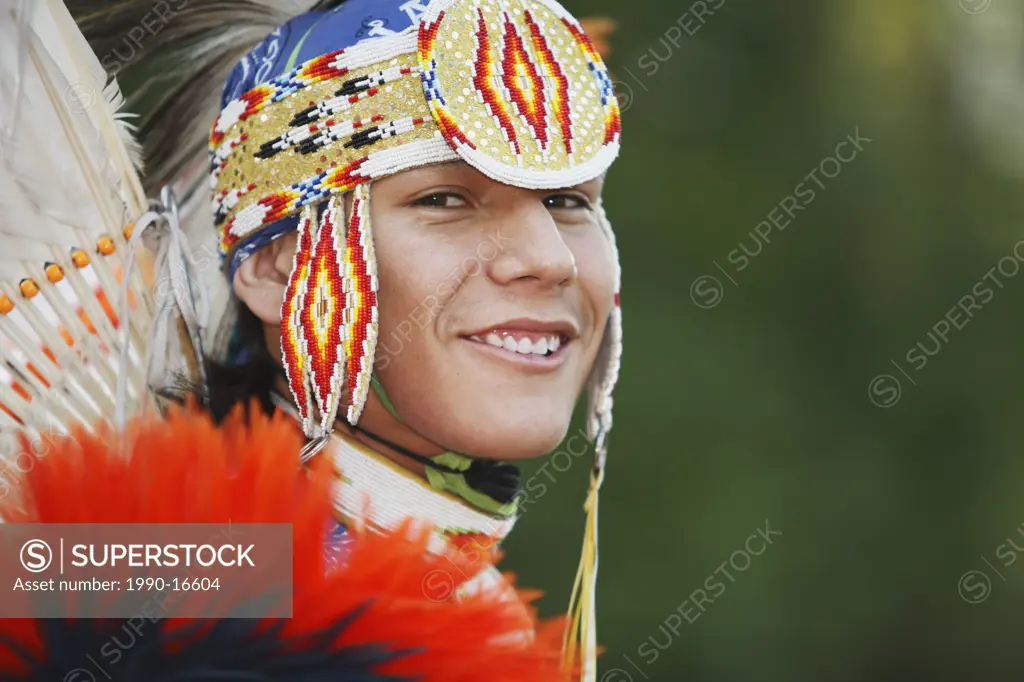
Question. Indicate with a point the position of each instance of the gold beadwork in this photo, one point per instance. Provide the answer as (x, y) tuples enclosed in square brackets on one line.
[(80, 258), (399, 99), (455, 49)]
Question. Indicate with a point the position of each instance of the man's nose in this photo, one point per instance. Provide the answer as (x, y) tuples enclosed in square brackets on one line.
[(531, 249)]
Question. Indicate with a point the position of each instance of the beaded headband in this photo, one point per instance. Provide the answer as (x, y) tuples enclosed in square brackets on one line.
[(512, 87)]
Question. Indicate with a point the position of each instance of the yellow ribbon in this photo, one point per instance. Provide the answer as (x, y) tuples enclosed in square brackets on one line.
[(582, 632)]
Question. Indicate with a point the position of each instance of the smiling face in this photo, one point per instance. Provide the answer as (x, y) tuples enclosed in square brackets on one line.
[(493, 301)]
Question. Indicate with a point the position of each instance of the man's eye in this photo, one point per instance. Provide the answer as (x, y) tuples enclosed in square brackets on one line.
[(566, 201), (441, 200)]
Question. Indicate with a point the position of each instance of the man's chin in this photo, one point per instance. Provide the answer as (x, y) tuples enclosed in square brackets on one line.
[(517, 444)]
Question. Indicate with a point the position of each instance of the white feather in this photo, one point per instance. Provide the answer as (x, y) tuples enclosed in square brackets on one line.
[(68, 175), (126, 130)]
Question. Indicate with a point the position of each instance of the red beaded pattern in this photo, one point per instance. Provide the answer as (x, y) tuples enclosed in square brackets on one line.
[(323, 315), (220, 157), (225, 200), (285, 202), (539, 109), (251, 102), (238, 110), (523, 84), (426, 42), (486, 75), (559, 93), (613, 117), (292, 342), (428, 35), (360, 284)]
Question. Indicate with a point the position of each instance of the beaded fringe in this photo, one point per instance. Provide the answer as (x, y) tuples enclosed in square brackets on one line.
[(329, 313)]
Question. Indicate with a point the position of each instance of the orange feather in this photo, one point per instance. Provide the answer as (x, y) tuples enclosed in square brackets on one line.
[(187, 470)]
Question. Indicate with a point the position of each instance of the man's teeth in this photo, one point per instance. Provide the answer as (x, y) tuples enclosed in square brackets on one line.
[(545, 345)]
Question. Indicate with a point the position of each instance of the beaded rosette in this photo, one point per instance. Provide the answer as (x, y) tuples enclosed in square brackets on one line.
[(512, 87)]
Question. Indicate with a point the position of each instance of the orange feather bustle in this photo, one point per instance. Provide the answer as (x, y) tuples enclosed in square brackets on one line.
[(187, 470)]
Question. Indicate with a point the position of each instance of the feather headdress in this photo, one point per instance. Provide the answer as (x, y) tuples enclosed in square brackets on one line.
[(366, 620)]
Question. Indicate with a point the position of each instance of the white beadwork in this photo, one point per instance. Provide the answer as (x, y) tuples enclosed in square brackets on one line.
[(605, 373), (531, 179), (384, 495), (230, 115), (359, 392), (410, 155), (378, 50), (220, 156), (248, 219), (294, 321)]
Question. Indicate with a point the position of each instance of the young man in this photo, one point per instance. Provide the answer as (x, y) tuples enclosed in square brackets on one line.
[(420, 184), (407, 201)]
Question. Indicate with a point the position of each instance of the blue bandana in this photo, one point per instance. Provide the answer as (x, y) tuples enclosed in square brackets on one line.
[(315, 33)]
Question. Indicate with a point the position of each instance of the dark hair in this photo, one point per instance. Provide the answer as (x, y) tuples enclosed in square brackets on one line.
[(248, 375)]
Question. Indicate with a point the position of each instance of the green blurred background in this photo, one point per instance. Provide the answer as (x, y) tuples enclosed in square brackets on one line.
[(754, 397)]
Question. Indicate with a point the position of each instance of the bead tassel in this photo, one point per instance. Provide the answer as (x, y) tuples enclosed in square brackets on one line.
[(361, 296), (324, 314), (292, 340)]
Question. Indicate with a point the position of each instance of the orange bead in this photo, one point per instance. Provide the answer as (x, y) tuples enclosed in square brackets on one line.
[(105, 245), (6, 304), (128, 229), (54, 273), (80, 258), (29, 288)]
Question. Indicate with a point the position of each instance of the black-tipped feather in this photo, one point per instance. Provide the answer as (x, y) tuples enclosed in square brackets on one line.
[(227, 649)]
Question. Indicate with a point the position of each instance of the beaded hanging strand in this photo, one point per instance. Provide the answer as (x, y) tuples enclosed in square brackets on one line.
[(360, 284), (329, 315), (323, 315), (293, 343)]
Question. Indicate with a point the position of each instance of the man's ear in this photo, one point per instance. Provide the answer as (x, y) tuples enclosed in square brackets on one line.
[(262, 278)]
